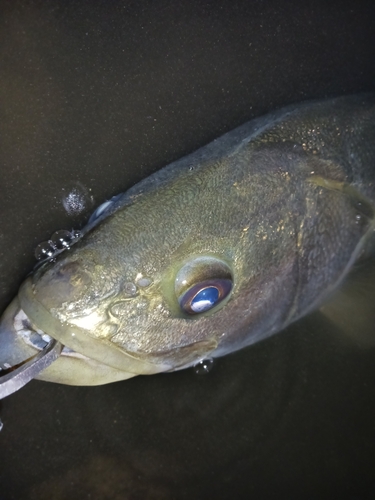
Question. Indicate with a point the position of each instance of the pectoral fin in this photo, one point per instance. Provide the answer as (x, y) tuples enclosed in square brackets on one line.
[(352, 309)]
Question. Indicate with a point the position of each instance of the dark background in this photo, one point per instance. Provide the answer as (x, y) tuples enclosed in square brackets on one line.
[(94, 96)]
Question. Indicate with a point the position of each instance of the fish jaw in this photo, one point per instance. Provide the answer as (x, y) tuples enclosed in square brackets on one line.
[(79, 340), (21, 342)]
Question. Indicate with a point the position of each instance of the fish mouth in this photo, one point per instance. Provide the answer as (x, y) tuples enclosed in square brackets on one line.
[(79, 340), (103, 350), (28, 331), (24, 345), (36, 338)]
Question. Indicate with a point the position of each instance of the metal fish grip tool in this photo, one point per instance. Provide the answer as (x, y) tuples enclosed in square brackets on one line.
[(16, 377)]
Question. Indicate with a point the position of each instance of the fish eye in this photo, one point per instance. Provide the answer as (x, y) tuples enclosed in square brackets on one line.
[(205, 295), (202, 284)]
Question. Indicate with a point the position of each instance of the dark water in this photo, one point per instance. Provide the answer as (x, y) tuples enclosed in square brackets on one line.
[(96, 95)]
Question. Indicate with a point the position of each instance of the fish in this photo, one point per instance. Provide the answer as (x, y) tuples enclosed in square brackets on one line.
[(211, 254)]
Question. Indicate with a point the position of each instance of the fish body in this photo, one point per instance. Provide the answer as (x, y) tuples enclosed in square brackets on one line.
[(215, 252)]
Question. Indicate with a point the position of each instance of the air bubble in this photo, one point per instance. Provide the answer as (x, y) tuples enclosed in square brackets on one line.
[(204, 366), (143, 282), (62, 239), (45, 250), (76, 198), (76, 234), (358, 218), (130, 289)]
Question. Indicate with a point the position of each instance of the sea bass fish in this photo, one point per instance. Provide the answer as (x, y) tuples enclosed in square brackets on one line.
[(214, 252)]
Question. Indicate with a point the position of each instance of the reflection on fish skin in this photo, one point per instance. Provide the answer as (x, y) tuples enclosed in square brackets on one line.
[(216, 251)]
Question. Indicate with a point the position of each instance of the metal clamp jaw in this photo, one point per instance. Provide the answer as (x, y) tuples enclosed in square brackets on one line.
[(16, 378)]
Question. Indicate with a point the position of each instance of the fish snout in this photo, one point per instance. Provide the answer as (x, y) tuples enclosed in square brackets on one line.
[(68, 281)]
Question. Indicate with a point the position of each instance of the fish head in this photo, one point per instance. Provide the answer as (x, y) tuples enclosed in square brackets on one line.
[(175, 276)]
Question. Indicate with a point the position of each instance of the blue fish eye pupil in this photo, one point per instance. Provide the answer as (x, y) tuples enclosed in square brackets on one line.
[(205, 295), (205, 299)]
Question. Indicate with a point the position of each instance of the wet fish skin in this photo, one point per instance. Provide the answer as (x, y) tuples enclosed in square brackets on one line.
[(284, 203)]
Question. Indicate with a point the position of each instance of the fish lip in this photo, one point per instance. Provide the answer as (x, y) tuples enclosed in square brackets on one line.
[(32, 336), (79, 340), (37, 338), (27, 352)]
